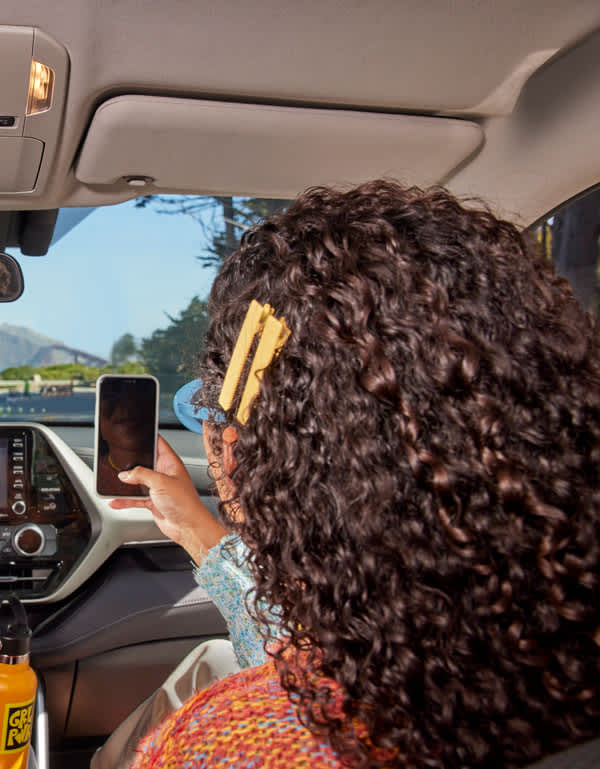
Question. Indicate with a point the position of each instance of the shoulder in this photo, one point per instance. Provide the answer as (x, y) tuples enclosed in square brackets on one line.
[(244, 720)]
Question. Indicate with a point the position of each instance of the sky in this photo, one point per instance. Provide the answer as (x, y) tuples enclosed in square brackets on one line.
[(122, 269)]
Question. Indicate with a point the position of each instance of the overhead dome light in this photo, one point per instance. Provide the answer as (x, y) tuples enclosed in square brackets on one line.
[(33, 98), (41, 86)]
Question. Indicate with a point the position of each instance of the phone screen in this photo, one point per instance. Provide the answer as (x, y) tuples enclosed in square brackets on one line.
[(126, 424)]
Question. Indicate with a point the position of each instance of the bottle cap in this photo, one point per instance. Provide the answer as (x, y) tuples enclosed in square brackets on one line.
[(15, 634)]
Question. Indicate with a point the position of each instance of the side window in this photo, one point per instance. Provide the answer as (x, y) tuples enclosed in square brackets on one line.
[(571, 239)]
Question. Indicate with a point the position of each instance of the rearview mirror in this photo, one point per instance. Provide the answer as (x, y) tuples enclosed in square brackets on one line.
[(11, 278)]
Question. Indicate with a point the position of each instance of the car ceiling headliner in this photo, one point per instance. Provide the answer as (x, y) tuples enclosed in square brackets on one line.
[(468, 58)]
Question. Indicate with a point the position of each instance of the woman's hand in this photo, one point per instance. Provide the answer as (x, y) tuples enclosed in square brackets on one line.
[(177, 509)]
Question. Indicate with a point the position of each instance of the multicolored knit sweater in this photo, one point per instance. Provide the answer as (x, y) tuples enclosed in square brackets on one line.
[(244, 721)]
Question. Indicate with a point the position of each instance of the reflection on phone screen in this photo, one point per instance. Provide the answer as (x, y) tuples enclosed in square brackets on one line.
[(126, 432)]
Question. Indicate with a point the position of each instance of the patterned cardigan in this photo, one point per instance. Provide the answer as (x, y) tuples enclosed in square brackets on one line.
[(245, 720)]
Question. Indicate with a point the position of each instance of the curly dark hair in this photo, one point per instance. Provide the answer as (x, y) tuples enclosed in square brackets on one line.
[(420, 478)]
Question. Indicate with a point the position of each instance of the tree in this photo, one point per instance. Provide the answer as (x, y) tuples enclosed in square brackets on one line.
[(172, 352), (72, 371), (222, 220), (18, 372), (123, 350)]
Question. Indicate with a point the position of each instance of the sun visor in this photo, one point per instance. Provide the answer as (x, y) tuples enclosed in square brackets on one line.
[(192, 145)]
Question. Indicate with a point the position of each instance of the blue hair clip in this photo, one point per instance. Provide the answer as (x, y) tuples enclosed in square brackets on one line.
[(189, 413)]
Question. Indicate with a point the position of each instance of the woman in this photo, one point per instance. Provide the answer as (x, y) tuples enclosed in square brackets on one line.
[(416, 484)]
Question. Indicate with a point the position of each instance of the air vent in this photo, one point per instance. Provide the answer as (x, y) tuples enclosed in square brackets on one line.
[(24, 579)]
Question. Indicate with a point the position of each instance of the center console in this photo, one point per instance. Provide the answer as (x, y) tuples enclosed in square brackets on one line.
[(44, 527)]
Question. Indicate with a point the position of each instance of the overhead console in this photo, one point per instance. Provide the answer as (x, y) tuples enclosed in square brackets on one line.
[(44, 528), (34, 82)]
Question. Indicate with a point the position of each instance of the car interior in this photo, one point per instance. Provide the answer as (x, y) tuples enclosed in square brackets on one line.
[(106, 104)]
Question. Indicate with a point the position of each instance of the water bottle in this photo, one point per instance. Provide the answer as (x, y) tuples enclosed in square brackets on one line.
[(18, 686)]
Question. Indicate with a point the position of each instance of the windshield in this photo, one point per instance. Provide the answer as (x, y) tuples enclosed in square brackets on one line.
[(123, 289)]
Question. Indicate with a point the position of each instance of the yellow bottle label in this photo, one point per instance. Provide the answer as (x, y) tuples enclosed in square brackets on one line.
[(16, 726)]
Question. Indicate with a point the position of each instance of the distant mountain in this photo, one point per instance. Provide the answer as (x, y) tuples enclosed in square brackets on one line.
[(21, 332), (20, 346)]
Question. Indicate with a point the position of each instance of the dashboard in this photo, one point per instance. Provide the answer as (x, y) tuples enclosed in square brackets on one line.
[(55, 531), (44, 526), (112, 603)]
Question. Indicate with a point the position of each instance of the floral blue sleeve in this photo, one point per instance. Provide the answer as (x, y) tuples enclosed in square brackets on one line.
[(227, 586)]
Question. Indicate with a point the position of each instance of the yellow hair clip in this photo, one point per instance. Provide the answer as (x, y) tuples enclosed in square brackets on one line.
[(273, 334)]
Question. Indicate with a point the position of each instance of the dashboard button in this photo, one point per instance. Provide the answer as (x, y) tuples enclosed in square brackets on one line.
[(19, 507), (29, 540), (48, 479)]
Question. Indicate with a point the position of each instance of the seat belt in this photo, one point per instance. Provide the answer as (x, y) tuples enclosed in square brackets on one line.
[(583, 756)]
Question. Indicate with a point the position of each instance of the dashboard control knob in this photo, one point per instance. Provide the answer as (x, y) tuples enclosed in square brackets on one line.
[(29, 540), (19, 507)]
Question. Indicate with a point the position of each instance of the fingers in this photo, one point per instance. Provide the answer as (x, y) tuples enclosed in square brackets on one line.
[(174, 502), (144, 476), (124, 504), (167, 461), (165, 452)]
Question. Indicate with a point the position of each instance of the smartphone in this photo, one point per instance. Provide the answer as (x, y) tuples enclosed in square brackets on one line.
[(126, 431)]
